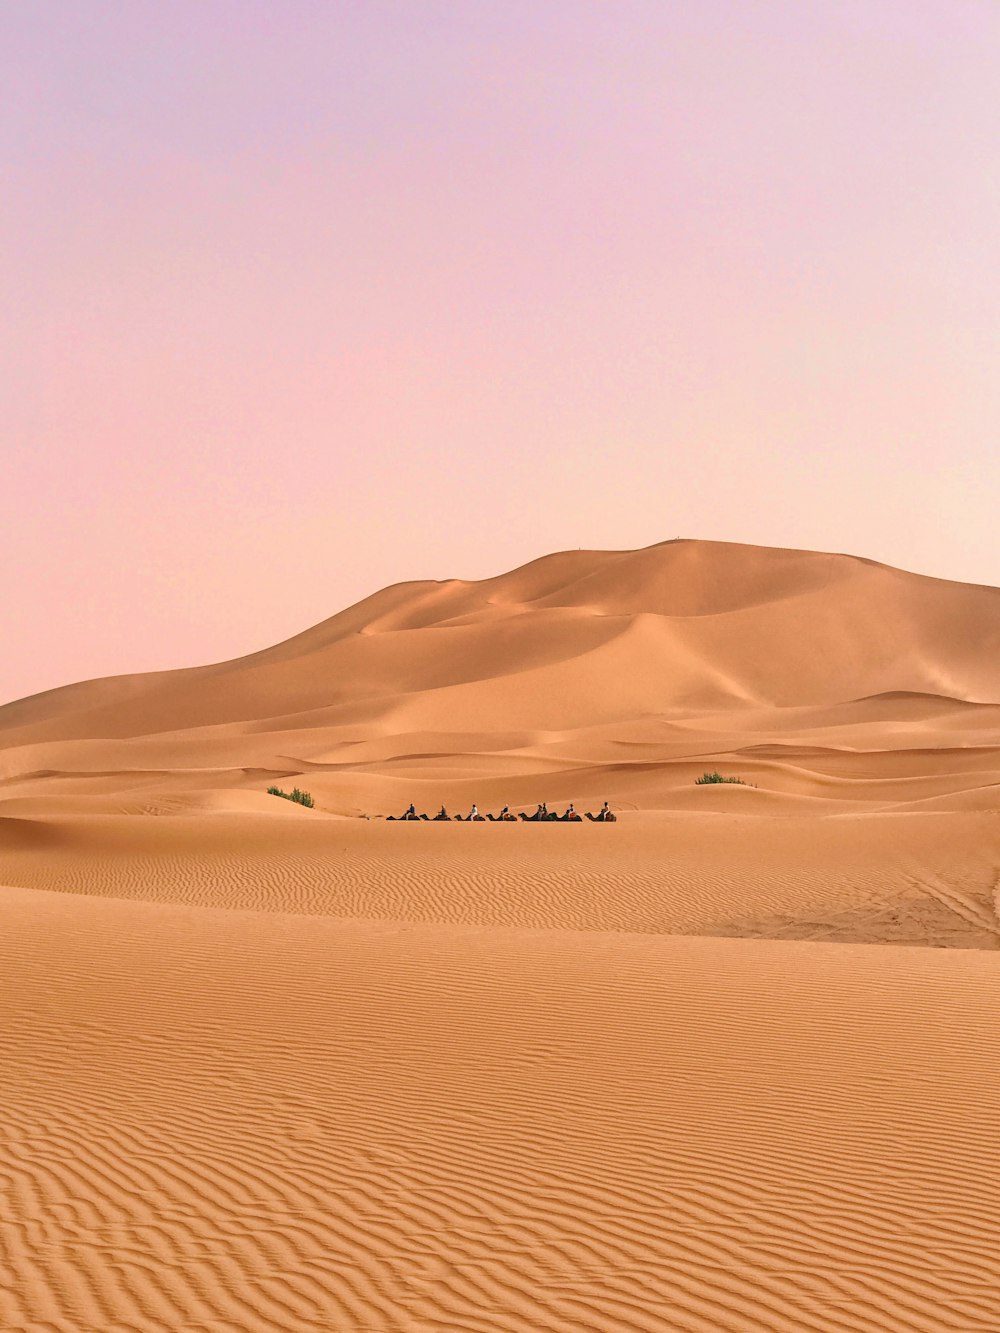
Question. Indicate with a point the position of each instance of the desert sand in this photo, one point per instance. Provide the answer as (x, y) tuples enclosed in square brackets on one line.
[(727, 1064)]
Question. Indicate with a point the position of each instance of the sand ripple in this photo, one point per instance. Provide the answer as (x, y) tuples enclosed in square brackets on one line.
[(228, 1121), (268, 1069)]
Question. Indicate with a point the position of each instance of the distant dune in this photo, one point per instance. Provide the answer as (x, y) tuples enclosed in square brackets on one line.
[(726, 1065), (579, 676)]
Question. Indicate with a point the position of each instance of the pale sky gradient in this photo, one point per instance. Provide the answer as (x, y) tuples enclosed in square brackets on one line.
[(302, 299)]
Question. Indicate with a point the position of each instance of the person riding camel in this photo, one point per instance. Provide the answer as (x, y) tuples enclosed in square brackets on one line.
[(571, 812), (474, 812), (411, 812), (605, 811)]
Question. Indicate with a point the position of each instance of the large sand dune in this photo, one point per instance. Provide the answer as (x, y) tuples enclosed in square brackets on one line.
[(269, 1068), (581, 675)]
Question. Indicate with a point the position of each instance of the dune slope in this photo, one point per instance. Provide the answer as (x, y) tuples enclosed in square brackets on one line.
[(584, 674), (724, 1066)]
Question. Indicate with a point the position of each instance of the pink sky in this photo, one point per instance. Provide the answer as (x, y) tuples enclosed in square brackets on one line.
[(303, 299)]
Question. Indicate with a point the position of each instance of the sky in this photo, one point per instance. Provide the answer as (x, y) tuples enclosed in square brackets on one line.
[(305, 299)]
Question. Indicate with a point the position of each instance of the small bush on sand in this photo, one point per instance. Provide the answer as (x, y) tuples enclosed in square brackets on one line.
[(299, 797), (707, 778)]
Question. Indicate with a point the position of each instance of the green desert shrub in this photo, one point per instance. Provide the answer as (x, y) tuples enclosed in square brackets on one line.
[(299, 797), (707, 778)]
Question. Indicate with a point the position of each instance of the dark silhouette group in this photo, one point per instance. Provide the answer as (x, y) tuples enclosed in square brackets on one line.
[(542, 815)]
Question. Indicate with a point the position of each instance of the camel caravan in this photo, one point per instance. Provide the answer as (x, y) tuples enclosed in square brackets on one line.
[(542, 815)]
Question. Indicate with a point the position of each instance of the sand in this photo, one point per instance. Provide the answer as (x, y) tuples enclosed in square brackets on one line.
[(728, 1064)]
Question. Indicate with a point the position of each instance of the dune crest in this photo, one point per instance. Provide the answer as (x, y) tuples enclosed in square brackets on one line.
[(699, 647)]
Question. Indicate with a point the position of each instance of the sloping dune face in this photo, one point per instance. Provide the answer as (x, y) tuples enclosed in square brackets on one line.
[(279, 1069), (582, 675)]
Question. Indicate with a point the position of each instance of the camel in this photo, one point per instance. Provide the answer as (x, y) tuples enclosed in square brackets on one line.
[(542, 815), (409, 814)]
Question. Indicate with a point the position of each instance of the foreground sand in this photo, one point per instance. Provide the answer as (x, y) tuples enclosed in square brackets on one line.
[(725, 1066), (930, 879), (218, 1119), (234, 1099)]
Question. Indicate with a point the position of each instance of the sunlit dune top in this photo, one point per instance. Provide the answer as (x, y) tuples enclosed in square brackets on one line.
[(575, 640)]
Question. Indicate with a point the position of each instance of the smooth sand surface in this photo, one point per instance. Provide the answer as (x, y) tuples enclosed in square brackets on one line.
[(728, 1064)]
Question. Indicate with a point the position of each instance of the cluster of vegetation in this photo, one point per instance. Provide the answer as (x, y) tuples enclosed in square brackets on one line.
[(299, 797), (707, 778)]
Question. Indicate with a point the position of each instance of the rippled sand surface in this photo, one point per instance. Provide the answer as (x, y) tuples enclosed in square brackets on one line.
[(728, 1065)]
